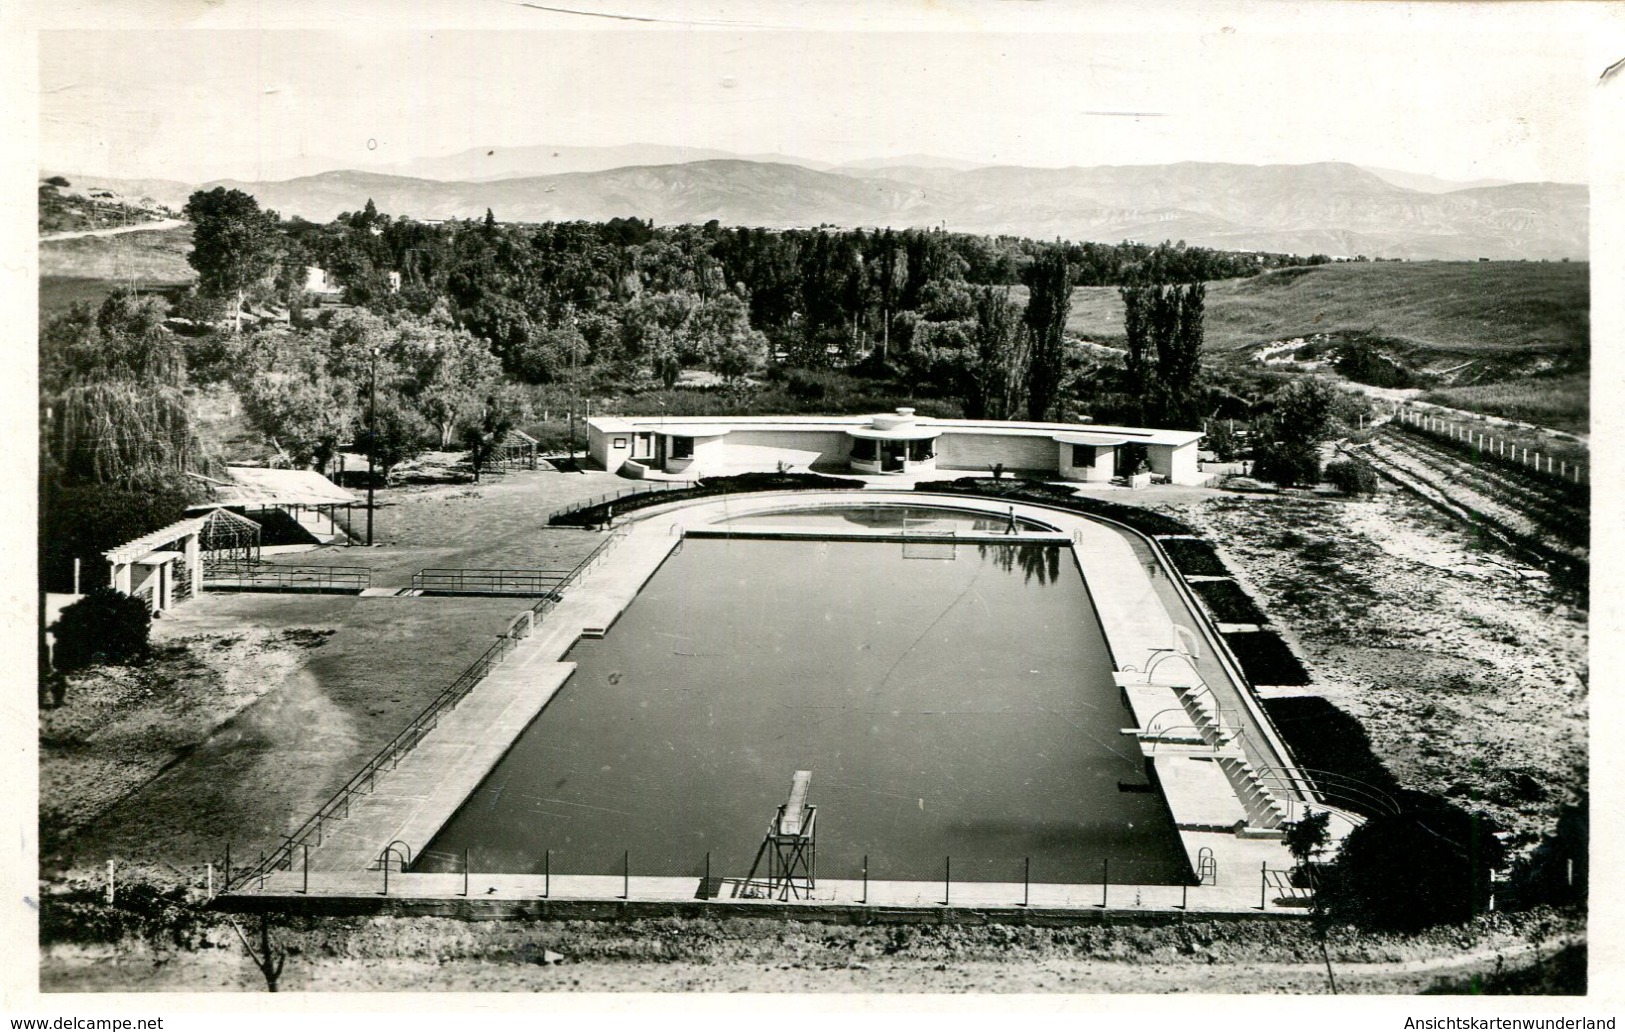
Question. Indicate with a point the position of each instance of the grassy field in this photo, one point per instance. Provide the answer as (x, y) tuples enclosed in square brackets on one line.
[(260, 758), (89, 268), (1562, 403), (1465, 307)]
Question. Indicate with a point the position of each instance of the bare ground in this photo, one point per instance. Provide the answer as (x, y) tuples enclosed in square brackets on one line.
[(740, 955), (1468, 673)]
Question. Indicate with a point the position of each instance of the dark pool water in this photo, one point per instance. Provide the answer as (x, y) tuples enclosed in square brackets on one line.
[(957, 707)]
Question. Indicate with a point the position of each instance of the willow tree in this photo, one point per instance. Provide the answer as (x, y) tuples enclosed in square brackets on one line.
[(117, 440), (122, 431), (113, 389)]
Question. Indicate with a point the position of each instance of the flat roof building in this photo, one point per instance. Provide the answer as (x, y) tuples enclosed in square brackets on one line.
[(656, 447)]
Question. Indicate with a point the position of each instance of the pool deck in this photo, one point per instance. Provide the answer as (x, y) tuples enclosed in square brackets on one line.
[(412, 801)]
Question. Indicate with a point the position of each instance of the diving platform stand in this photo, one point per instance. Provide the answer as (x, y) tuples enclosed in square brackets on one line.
[(790, 849)]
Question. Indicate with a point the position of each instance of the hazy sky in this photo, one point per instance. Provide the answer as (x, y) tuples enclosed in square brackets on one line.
[(198, 103)]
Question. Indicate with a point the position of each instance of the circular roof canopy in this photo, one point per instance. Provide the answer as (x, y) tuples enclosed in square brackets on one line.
[(906, 432), (1095, 440)]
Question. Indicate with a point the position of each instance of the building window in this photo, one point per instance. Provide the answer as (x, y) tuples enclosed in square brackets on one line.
[(682, 447), (863, 449), (1083, 455), (619, 442)]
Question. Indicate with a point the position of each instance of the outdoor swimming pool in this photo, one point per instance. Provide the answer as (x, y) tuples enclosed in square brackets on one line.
[(959, 705)]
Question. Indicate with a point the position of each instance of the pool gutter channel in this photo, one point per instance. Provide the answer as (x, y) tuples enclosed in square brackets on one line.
[(347, 883)]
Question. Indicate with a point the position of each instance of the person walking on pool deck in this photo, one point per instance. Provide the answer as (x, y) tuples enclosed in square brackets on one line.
[(1010, 528)]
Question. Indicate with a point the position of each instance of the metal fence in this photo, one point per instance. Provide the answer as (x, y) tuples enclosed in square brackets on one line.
[(1564, 469), (610, 496), (876, 879), (488, 582), (274, 577)]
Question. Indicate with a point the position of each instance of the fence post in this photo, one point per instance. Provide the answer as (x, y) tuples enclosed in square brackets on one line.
[(1027, 881), (227, 882), (1105, 879), (306, 847), (547, 873), (626, 874), (707, 888), (1184, 896), (465, 872), (865, 899), (384, 859), (947, 879), (1263, 884)]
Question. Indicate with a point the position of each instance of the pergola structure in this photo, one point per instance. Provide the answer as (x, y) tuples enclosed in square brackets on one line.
[(517, 451), (166, 566), (228, 539)]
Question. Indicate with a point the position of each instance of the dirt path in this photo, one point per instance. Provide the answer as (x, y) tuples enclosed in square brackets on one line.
[(143, 227), (441, 954)]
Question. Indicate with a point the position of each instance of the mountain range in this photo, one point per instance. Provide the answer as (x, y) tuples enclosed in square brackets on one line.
[(1330, 207)]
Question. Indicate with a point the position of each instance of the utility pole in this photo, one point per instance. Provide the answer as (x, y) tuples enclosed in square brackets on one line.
[(372, 434)]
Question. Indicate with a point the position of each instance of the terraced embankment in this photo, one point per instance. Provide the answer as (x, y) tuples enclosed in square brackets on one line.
[(1548, 520)]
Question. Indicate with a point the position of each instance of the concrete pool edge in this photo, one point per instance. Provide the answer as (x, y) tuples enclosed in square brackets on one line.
[(1129, 613)]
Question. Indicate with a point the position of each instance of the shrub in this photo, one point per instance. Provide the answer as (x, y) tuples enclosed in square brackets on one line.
[(1352, 478), (1325, 738), (1558, 870), (1287, 464), (1430, 864), (1194, 558), (106, 626), (1266, 659), (1223, 440), (1228, 603)]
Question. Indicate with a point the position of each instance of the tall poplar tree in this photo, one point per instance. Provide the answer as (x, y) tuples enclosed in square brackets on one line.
[(1049, 299)]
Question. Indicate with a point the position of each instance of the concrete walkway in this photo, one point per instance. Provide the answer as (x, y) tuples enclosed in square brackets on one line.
[(1241, 889)]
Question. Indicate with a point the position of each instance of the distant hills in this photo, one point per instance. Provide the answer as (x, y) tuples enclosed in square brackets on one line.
[(1331, 207)]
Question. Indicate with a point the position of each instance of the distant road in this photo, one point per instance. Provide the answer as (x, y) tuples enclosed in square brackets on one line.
[(140, 227)]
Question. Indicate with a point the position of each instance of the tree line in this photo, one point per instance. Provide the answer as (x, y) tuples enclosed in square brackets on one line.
[(447, 325)]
